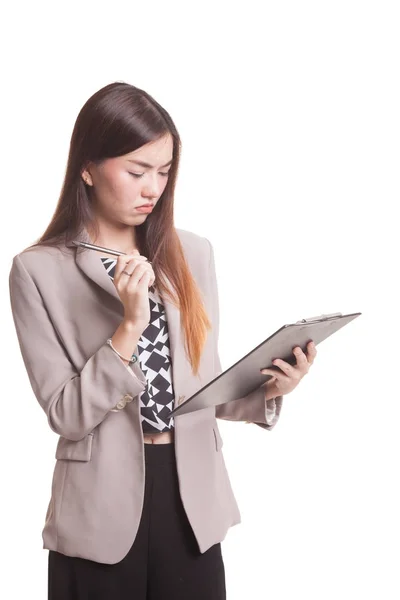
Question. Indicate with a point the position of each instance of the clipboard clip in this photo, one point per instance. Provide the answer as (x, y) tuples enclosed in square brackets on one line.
[(319, 318)]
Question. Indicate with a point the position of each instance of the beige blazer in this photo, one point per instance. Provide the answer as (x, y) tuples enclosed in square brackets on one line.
[(65, 306)]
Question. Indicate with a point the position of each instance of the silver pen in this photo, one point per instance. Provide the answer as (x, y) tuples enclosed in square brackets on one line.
[(99, 248), (103, 249)]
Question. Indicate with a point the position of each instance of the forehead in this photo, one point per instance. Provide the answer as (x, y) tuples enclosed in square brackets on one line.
[(156, 153)]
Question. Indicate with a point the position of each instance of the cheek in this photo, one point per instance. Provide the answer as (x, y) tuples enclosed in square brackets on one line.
[(162, 186), (125, 188), (108, 183), (116, 193)]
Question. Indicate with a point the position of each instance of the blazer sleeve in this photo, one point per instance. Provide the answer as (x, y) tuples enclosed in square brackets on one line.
[(253, 407), (74, 402)]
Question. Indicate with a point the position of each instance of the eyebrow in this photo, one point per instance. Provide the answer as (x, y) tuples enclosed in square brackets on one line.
[(145, 164)]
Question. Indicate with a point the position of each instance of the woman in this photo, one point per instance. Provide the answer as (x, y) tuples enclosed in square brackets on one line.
[(140, 501)]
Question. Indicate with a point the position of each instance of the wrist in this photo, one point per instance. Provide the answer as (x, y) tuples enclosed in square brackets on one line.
[(270, 391), (132, 327), (129, 360)]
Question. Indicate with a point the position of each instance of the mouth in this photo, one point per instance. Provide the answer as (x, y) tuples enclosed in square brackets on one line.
[(145, 208)]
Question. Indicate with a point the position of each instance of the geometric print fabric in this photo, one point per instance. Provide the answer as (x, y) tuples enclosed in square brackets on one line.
[(157, 399)]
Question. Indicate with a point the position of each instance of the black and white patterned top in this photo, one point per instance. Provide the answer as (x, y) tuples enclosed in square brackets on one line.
[(157, 399)]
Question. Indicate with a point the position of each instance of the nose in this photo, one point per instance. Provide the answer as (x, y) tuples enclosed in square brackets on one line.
[(152, 188)]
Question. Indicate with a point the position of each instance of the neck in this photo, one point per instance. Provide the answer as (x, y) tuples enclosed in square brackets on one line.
[(115, 237)]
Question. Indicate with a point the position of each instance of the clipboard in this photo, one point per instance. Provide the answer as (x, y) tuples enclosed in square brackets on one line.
[(244, 376)]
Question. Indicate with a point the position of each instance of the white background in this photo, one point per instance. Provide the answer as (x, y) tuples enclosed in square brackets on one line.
[(289, 118)]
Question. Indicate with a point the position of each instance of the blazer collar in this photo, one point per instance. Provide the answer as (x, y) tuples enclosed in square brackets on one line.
[(90, 263)]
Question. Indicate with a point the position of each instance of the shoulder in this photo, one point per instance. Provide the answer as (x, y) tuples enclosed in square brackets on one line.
[(196, 247), (38, 258)]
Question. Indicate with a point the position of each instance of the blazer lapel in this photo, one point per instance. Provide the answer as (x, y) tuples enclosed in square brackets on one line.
[(89, 262)]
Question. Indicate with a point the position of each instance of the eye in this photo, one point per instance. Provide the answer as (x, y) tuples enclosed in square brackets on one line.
[(138, 175)]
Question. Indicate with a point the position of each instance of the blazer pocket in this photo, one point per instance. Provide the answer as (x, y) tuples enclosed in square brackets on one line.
[(219, 442), (72, 450)]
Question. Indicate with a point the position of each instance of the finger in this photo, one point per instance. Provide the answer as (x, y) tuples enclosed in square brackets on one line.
[(143, 277), (136, 258), (127, 262), (270, 381), (135, 252), (137, 274), (311, 352), (275, 374), (152, 278), (286, 368), (121, 264), (151, 271), (152, 274), (301, 359), (144, 280)]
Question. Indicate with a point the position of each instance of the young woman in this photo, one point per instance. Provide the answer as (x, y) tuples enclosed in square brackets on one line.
[(140, 501)]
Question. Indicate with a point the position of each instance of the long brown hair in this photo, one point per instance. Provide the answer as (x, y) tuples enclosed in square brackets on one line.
[(118, 119)]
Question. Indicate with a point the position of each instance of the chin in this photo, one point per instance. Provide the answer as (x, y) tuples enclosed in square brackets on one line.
[(132, 219)]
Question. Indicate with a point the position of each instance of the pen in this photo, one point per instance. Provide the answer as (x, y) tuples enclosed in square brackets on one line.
[(98, 248), (103, 249)]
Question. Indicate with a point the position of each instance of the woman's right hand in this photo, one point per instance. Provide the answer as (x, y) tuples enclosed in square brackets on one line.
[(134, 289)]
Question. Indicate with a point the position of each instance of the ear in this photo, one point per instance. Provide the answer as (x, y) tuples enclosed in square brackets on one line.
[(86, 177)]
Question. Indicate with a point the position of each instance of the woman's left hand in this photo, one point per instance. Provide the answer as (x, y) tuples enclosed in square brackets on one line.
[(289, 377)]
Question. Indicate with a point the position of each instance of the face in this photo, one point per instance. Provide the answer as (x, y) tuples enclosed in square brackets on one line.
[(120, 185)]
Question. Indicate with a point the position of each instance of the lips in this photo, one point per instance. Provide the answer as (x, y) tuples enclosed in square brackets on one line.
[(145, 206), (144, 209)]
